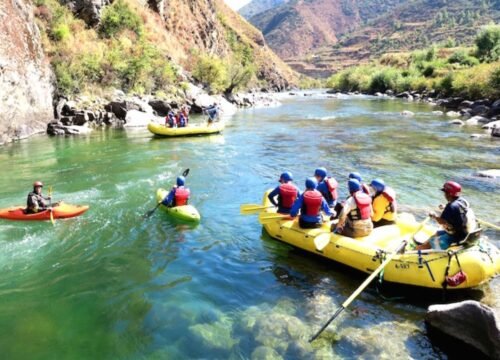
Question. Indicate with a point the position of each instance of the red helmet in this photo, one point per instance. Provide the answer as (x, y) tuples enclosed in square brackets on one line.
[(37, 184), (452, 188)]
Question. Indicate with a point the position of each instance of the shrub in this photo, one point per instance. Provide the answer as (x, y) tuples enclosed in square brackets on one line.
[(463, 58), (488, 43), (384, 80), (119, 17), (495, 82), (61, 32), (239, 76), (211, 71)]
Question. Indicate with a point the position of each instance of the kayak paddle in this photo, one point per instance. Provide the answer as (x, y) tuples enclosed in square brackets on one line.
[(367, 282), (50, 207), (250, 209), (151, 212)]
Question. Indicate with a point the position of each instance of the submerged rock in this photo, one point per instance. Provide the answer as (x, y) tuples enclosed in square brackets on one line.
[(491, 125), (215, 335), (437, 112), (456, 122), (452, 114), (57, 128), (265, 353), (476, 120), (407, 113), (492, 173), (468, 322)]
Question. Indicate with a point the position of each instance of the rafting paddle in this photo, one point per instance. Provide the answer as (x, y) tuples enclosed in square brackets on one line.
[(367, 282), (250, 209), (151, 212), (50, 207), (273, 217), (485, 223)]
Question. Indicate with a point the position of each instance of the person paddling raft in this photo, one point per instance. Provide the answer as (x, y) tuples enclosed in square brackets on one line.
[(457, 219), (384, 204), (212, 112), (310, 204), (286, 193), (327, 186), (355, 218), (36, 202), (179, 195)]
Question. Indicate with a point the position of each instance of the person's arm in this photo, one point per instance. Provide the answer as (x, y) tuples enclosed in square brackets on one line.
[(297, 205), (379, 205), (326, 208), (272, 195), (345, 211), (169, 199)]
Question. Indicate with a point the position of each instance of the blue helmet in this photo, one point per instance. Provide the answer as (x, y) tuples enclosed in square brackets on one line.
[(355, 175), (354, 185), (311, 183), (321, 172), (378, 185), (286, 176), (181, 180)]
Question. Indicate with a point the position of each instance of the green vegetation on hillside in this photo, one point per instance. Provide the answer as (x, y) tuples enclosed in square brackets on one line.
[(469, 72)]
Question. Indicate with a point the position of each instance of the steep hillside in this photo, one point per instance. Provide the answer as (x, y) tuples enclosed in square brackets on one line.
[(255, 7), (372, 28), (25, 77)]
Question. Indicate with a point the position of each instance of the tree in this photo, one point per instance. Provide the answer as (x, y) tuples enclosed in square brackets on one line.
[(211, 71), (488, 43), (238, 76)]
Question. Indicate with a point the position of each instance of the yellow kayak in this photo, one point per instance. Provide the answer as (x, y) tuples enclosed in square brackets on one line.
[(185, 212), (480, 262), (190, 130)]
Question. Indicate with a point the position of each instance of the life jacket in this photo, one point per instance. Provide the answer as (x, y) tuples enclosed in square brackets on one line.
[(181, 196), (390, 195), (171, 119), (364, 207), (468, 216), (312, 202), (332, 188), (287, 196)]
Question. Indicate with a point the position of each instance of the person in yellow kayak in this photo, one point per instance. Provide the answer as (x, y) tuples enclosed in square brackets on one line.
[(457, 219), (286, 193), (384, 204), (310, 204), (36, 202), (355, 218), (179, 195)]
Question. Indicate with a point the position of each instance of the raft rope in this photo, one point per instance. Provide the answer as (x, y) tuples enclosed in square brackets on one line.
[(422, 261)]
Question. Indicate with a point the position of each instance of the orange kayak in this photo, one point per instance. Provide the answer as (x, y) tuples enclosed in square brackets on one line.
[(63, 211)]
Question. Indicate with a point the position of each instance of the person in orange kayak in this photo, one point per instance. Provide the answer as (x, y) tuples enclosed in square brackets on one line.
[(310, 204), (179, 195), (384, 204), (355, 218), (286, 193), (36, 201), (327, 186)]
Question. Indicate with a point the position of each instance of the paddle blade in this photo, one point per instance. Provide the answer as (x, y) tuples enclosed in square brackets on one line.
[(52, 217), (151, 212), (322, 240), (249, 209), (186, 172), (272, 218)]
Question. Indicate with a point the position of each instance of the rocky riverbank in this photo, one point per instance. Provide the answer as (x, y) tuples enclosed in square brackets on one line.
[(463, 112)]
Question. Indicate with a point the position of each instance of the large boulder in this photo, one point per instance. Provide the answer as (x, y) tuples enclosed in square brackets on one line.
[(407, 113), (87, 10), (25, 76), (161, 107), (480, 110), (465, 104), (57, 128), (491, 125), (468, 322), (495, 132), (136, 118), (477, 120), (452, 114), (492, 173), (456, 122)]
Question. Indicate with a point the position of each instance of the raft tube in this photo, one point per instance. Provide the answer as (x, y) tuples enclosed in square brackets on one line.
[(190, 130)]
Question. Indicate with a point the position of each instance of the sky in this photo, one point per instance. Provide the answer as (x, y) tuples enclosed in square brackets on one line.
[(236, 4)]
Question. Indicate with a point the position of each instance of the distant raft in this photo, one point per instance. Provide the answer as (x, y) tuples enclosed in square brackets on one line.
[(190, 130), (427, 268), (186, 212), (62, 211)]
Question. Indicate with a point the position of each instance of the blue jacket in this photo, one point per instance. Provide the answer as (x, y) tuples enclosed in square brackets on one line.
[(310, 219), (169, 199), (272, 198), (323, 189)]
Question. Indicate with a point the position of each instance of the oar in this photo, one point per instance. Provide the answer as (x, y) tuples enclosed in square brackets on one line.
[(50, 207), (272, 218), (322, 240), (372, 276), (249, 209), (485, 223), (151, 212)]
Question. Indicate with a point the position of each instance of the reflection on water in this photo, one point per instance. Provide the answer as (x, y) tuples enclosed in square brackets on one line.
[(112, 285)]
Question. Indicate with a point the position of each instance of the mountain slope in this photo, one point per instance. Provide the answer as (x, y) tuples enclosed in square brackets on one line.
[(255, 7)]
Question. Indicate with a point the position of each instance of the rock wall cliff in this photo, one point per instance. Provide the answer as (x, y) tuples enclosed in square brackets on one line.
[(25, 75)]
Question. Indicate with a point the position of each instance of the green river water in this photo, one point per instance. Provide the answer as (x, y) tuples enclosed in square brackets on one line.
[(109, 285)]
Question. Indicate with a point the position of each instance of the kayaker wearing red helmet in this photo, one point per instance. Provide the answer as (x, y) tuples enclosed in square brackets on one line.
[(457, 219), (36, 202)]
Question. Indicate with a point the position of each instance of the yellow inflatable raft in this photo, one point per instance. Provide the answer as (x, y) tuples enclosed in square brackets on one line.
[(480, 262), (190, 130)]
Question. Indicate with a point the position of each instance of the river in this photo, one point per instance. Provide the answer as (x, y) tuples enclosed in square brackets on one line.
[(109, 285)]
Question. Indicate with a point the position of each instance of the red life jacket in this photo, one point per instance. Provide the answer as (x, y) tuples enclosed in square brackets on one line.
[(287, 196), (312, 202), (181, 196), (364, 207), (332, 188), (390, 195)]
